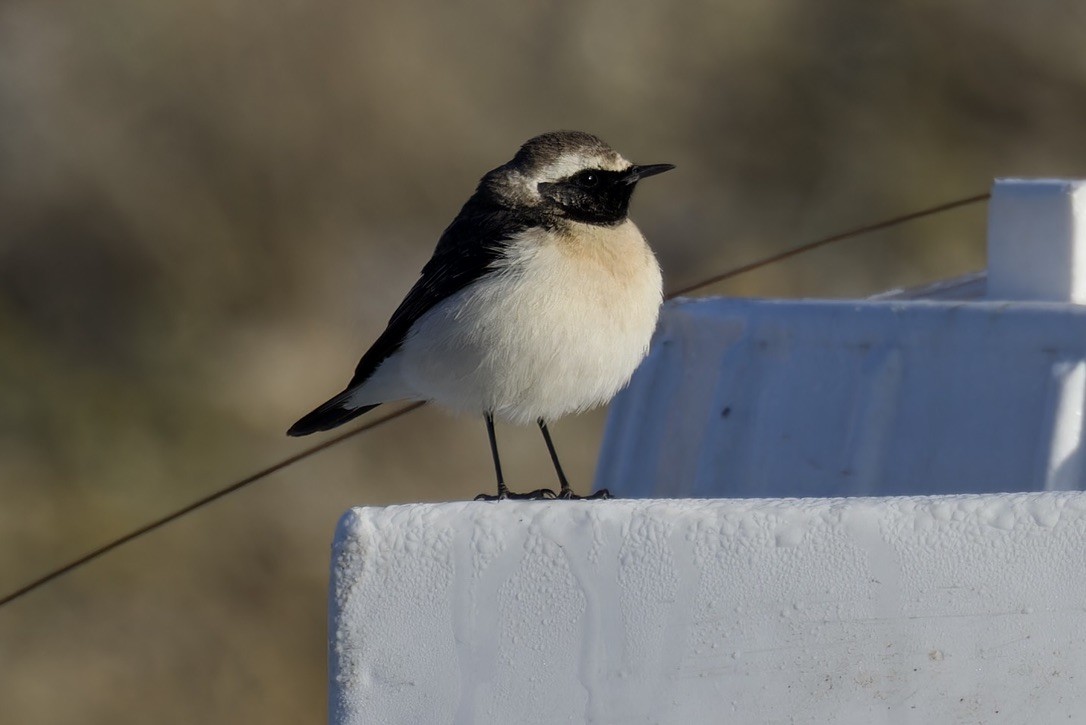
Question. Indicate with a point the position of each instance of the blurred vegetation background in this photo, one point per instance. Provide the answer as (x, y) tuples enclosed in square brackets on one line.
[(209, 209)]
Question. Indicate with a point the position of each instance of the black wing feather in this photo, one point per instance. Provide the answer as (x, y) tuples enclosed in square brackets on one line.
[(465, 252)]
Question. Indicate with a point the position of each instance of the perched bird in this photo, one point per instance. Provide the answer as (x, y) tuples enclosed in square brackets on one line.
[(539, 301)]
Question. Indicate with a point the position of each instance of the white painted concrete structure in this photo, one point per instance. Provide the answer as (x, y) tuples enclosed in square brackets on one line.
[(845, 398), (889, 396), (967, 608), (949, 610)]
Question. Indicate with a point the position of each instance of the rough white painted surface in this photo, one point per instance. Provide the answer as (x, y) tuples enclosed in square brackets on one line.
[(965, 609), (1037, 240), (751, 398)]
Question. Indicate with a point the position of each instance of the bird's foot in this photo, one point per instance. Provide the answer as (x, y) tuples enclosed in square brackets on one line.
[(567, 494), (540, 494)]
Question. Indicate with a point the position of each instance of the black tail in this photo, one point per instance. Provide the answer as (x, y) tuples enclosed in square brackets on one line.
[(329, 415)]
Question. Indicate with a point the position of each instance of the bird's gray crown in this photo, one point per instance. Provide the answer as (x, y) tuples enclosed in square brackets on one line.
[(550, 157), (557, 150)]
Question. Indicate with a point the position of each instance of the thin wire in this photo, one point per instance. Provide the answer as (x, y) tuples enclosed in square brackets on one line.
[(200, 503), (829, 240), (237, 485)]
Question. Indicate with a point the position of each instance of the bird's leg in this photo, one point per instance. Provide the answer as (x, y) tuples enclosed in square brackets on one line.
[(566, 492), (503, 490)]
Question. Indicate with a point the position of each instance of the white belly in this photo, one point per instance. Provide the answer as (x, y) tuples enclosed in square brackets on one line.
[(558, 330)]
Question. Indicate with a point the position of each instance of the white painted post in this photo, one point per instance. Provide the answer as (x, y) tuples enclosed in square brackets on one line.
[(1037, 240)]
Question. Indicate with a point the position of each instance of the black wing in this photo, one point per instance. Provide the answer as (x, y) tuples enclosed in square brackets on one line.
[(466, 252)]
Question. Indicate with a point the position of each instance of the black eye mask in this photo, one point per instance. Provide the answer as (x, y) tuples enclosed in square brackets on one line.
[(592, 196)]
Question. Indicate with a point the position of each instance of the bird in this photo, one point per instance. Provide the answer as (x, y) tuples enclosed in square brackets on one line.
[(540, 301)]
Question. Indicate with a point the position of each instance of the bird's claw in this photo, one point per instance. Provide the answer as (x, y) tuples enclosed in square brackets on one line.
[(540, 494), (545, 494), (568, 495)]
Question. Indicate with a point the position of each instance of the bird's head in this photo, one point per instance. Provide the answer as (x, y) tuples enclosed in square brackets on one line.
[(570, 175)]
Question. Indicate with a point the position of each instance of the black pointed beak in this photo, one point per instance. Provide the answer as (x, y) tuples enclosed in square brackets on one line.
[(636, 173)]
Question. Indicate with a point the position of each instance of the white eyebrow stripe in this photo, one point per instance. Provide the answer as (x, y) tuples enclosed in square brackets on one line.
[(569, 164)]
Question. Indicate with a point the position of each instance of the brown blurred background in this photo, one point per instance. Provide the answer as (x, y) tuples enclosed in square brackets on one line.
[(209, 209)]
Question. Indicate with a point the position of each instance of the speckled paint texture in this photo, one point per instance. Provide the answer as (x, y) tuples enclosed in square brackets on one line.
[(953, 609)]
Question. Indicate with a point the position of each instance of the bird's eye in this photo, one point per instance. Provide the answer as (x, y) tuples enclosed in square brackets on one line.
[(588, 180)]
